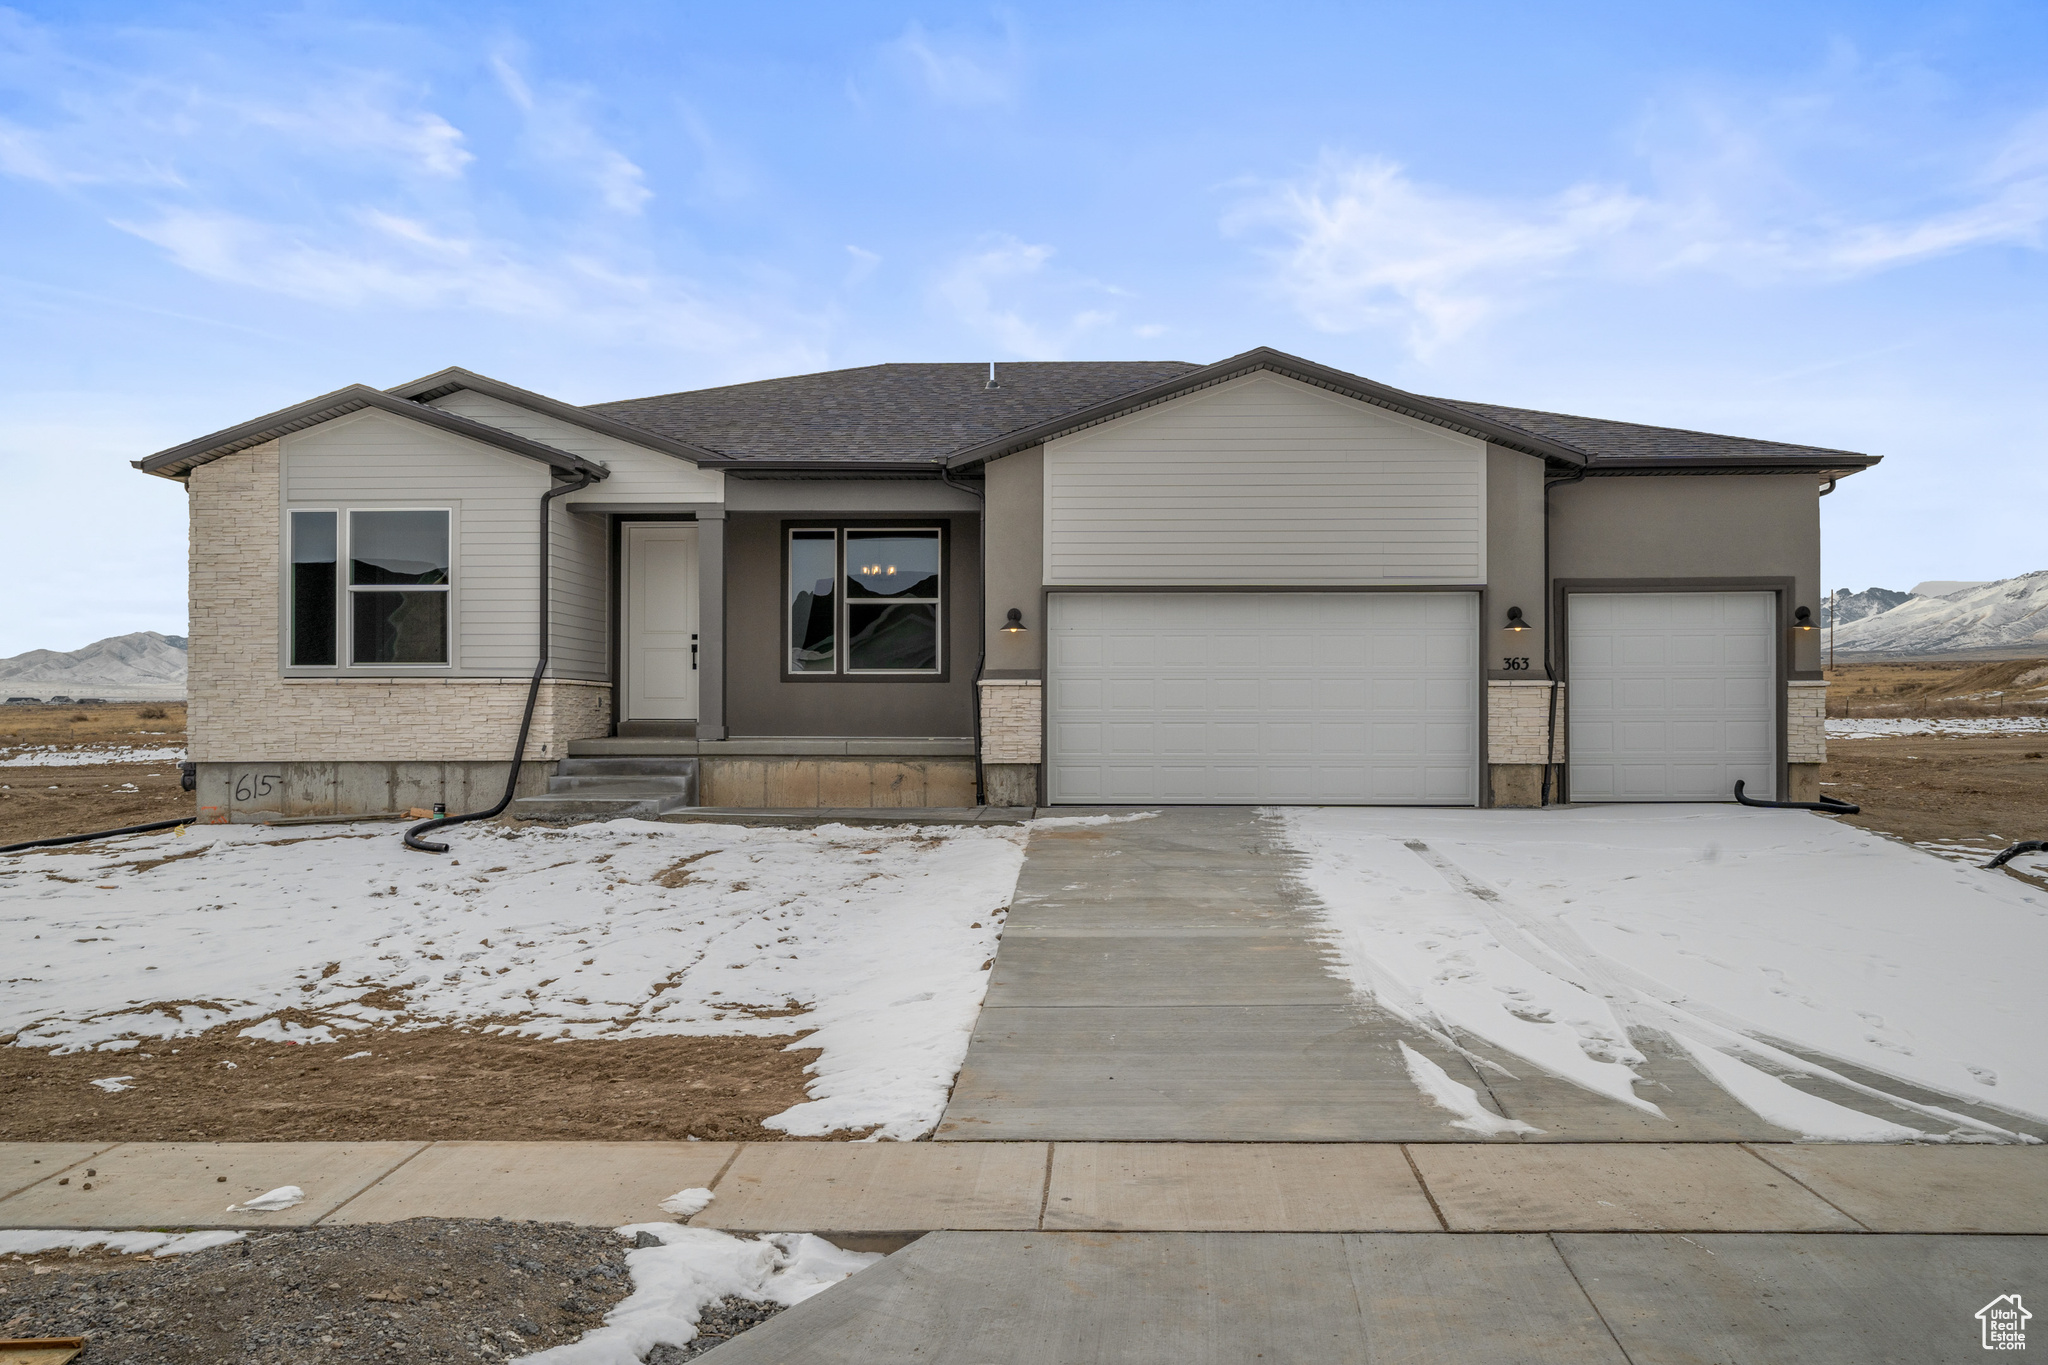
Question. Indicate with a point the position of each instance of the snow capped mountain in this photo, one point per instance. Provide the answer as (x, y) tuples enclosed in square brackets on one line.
[(2009, 614), (143, 666), (1844, 606)]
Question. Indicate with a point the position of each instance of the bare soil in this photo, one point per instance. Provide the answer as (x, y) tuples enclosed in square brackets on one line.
[(1923, 687), (43, 803), (432, 1084), (433, 1289), (1991, 790)]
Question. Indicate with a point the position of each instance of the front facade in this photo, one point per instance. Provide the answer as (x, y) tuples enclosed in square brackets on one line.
[(1259, 581)]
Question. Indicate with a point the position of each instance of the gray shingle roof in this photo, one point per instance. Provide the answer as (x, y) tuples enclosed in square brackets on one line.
[(1609, 441), (883, 414)]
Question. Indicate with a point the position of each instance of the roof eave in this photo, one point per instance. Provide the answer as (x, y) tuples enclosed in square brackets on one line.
[(180, 460), (1840, 465), (444, 382), (741, 465), (1293, 367)]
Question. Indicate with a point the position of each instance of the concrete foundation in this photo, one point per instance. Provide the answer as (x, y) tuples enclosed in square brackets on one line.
[(1515, 785), (1009, 784), (851, 782), (1805, 782), (252, 793)]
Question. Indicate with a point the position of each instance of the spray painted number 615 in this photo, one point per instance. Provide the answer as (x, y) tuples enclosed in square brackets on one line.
[(1513, 665), (249, 786)]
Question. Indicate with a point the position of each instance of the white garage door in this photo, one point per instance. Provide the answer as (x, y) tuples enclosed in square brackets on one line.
[(1223, 698), (1672, 696)]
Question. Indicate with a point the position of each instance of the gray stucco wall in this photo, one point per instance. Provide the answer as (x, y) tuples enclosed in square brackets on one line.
[(1514, 562), (1016, 561), (760, 700), (1694, 526)]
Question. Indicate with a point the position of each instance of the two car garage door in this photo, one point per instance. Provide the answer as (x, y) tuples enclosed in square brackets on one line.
[(1373, 698), (1235, 698)]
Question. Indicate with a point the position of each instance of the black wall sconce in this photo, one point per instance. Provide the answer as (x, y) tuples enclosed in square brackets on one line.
[(1515, 621), (1015, 625), (1803, 619)]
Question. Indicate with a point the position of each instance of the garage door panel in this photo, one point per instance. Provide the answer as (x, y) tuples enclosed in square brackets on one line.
[(1276, 697), (1671, 696)]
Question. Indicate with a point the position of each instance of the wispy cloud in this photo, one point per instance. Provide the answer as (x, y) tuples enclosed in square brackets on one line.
[(560, 132), (1356, 242), (961, 69), (1002, 292)]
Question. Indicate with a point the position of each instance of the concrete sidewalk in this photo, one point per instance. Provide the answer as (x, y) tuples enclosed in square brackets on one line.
[(899, 1188)]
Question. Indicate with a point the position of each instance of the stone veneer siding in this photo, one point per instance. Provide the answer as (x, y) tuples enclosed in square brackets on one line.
[(240, 710), (1806, 729), (1011, 728), (1517, 718)]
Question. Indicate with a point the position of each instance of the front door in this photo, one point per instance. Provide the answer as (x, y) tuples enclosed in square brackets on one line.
[(659, 625)]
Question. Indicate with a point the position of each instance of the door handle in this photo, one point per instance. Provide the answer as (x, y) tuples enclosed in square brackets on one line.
[(693, 654)]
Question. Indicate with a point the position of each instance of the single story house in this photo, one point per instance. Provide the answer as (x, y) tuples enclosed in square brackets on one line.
[(1093, 583)]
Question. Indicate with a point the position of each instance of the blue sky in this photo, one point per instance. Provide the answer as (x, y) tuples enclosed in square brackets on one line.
[(1819, 223)]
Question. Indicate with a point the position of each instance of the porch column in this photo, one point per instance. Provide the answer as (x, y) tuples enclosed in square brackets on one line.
[(711, 624)]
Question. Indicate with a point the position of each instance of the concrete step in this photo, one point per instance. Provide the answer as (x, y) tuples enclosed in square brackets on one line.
[(600, 783), (637, 764), (574, 807)]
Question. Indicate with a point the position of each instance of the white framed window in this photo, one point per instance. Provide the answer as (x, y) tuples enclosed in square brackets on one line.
[(864, 600)]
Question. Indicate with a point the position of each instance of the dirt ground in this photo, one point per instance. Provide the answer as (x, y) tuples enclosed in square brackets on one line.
[(430, 1084), (43, 802), (1989, 790), (439, 1289), (1921, 687)]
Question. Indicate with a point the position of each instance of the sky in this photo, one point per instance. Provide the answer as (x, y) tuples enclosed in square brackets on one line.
[(1811, 222)]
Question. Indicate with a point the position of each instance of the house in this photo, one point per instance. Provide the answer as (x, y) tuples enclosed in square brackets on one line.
[(1096, 583)]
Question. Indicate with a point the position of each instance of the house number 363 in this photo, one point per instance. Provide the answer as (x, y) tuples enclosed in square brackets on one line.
[(1514, 665)]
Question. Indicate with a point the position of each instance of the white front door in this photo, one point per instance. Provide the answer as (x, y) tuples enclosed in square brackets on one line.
[(659, 625), (1334, 698), (1672, 696)]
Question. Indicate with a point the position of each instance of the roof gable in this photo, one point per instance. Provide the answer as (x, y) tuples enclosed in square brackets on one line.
[(444, 382)]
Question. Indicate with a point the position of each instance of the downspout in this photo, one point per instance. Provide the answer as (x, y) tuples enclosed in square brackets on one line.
[(1550, 624), (412, 839), (981, 616)]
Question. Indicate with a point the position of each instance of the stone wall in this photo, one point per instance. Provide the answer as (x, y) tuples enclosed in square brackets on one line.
[(1011, 728), (1518, 718), (1806, 711), (242, 710)]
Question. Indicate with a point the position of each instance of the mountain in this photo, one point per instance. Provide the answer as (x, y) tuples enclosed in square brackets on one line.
[(1844, 606), (2010, 614), (144, 666)]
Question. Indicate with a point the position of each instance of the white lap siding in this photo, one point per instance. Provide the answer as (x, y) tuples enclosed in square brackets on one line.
[(1265, 481)]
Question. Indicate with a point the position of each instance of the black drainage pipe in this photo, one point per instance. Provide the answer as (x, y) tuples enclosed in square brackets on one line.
[(102, 834), (1827, 805), (2024, 846), (412, 836)]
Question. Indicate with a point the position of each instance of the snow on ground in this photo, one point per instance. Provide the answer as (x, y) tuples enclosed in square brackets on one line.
[(1548, 934), (690, 1270), (116, 1243), (1884, 727), (629, 929), (52, 756)]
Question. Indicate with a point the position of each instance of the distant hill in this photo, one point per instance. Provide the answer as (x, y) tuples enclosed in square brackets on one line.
[(2011, 614), (1844, 606), (143, 666)]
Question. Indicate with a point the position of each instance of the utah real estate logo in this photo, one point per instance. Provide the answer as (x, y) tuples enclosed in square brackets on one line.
[(2005, 1323)]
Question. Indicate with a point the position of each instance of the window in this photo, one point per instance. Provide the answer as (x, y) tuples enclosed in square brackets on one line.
[(314, 557), (864, 601), (398, 587)]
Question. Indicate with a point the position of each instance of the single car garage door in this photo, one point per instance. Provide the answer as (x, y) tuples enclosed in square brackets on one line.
[(1671, 696), (1221, 698)]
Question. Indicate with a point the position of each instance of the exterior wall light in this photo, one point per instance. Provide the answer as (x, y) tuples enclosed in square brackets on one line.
[(1015, 625), (1515, 621), (1803, 619)]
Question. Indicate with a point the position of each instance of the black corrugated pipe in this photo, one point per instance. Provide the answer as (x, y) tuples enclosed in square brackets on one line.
[(2023, 846), (1550, 623), (1827, 805), (412, 836), (981, 617), (102, 834)]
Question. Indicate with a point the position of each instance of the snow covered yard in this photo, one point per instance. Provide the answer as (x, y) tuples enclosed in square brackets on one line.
[(1550, 934), (875, 941)]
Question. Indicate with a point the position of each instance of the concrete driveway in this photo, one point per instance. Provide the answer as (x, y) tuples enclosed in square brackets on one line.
[(1168, 979)]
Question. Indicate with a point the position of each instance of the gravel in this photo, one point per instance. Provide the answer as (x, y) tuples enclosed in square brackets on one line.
[(425, 1289)]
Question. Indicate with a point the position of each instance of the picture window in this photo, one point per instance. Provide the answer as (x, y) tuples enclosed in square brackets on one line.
[(864, 600)]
